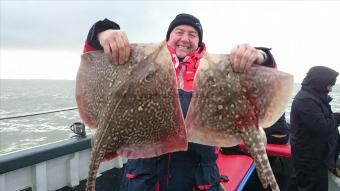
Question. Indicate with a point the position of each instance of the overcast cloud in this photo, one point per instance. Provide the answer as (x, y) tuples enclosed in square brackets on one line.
[(301, 33), (64, 24), (53, 24)]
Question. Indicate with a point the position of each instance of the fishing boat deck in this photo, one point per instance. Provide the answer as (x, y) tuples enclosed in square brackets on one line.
[(54, 166), (109, 180)]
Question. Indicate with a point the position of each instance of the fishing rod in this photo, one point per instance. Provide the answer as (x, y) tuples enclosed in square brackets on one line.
[(38, 113)]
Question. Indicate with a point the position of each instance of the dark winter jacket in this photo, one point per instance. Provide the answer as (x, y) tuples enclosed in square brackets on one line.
[(278, 133), (313, 124)]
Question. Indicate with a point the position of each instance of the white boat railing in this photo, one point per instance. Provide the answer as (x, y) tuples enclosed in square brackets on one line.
[(56, 165), (50, 167)]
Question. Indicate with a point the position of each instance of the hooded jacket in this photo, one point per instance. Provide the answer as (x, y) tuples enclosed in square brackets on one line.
[(313, 124)]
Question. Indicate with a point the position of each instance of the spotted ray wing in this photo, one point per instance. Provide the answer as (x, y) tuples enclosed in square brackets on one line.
[(228, 107), (134, 107)]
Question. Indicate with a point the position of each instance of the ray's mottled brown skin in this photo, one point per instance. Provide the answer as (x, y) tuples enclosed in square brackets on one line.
[(228, 107), (136, 110), (134, 107)]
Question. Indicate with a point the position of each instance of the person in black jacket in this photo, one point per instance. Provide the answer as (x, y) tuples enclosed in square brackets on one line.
[(196, 168), (278, 133), (314, 130)]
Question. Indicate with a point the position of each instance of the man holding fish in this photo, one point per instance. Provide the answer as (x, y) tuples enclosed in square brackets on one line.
[(196, 168)]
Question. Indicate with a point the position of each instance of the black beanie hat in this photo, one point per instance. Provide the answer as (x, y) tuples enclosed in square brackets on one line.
[(186, 19)]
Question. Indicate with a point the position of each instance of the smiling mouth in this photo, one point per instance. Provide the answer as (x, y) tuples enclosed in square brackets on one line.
[(183, 47)]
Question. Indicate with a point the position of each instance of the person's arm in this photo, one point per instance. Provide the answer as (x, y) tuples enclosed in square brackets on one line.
[(269, 60), (243, 56), (314, 119), (106, 35), (92, 42), (337, 118)]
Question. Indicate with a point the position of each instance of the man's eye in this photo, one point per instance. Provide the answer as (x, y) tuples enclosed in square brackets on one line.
[(193, 35)]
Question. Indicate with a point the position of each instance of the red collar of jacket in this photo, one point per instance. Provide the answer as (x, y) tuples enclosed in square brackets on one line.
[(185, 76)]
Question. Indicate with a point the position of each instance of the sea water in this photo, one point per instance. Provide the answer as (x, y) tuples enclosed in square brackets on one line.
[(19, 97)]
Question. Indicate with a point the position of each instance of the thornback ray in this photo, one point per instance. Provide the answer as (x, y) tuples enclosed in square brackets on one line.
[(229, 107), (134, 107)]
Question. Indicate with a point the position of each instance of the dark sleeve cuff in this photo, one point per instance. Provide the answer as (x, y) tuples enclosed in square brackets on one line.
[(270, 61), (98, 27)]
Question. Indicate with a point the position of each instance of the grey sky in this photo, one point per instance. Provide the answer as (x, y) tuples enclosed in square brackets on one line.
[(301, 33), (64, 24), (51, 24)]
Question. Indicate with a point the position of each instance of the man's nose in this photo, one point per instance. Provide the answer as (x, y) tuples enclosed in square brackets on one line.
[(185, 37)]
